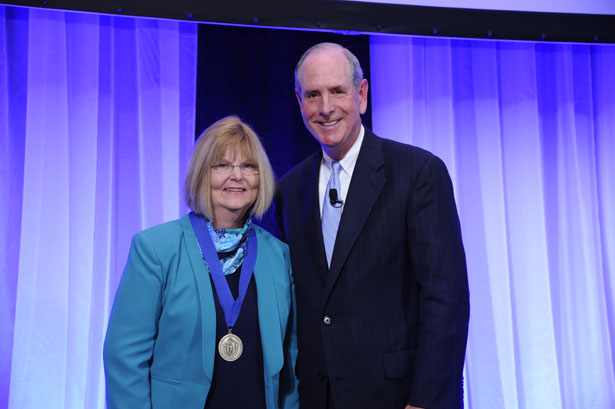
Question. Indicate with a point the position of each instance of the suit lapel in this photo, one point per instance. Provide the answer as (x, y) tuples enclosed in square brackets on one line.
[(268, 310), (310, 213), (367, 182), (206, 297)]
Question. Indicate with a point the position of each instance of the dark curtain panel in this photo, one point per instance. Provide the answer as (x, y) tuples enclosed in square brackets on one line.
[(249, 72)]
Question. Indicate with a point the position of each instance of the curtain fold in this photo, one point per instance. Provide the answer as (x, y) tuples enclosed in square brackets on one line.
[(527, 131), (97, 119), (97, 127)]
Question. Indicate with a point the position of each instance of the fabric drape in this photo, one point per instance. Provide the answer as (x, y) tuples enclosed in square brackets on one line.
[(97, 125), (97, 119), (527, 131)]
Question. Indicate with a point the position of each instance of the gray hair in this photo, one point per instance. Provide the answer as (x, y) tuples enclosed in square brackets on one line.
[(353, 62)]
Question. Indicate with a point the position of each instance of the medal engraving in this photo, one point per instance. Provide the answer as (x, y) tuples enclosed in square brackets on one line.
[(230, 347)]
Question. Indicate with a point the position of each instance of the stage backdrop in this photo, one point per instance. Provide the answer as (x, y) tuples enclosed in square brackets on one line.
[(527, 131), (96, 122)]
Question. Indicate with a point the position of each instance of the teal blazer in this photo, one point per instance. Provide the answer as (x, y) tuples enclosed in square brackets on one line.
[(161, 339)]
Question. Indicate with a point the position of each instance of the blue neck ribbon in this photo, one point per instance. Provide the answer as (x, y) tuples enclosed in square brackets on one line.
[(230, 306)]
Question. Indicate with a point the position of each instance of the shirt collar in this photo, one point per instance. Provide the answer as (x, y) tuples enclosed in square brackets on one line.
[(349, 161)]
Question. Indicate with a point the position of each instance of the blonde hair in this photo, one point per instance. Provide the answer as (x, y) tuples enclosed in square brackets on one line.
[(229, 133)]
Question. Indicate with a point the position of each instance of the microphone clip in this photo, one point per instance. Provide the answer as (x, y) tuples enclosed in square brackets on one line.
[(334, 199)]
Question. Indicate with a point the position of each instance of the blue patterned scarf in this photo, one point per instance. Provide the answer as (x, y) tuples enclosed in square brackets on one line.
[(229, 240)]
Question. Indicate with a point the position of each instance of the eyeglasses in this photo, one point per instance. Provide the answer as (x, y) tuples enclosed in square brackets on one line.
[(227, 168)]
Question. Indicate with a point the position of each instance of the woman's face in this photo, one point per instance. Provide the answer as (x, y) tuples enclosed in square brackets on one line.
[(232, 193)]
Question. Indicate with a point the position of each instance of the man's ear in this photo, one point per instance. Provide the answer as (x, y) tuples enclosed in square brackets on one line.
[(363, 89), (299, 99)]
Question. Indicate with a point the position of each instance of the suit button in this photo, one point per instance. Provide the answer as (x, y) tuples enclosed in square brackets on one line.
[(321, 376), (326, 320)]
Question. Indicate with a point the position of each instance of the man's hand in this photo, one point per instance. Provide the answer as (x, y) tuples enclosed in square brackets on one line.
[(413, 407)]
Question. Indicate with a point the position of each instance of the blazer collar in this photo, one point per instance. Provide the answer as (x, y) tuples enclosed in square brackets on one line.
[(268, 314), (206, 297), (310, 211)]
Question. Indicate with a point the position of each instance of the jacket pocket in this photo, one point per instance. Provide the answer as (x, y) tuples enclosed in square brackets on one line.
[(399, 364), (166, 380), (164, 392)]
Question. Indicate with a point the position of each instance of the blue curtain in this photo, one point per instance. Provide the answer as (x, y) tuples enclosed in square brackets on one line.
[(96, 128), (97, 120), (527, 131)]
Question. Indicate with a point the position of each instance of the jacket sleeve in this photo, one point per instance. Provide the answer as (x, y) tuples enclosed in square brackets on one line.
[(438, 260), (133, 328), (289, 393)]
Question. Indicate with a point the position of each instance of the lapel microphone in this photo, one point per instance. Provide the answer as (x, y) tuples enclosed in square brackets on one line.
[(334, 199)]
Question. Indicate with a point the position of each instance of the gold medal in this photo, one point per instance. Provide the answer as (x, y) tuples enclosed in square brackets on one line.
[(230, 347)]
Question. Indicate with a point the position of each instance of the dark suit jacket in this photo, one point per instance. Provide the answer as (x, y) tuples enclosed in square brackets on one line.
[(387, 324)]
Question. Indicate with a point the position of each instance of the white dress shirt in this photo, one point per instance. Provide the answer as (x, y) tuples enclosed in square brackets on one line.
[(348, 162)]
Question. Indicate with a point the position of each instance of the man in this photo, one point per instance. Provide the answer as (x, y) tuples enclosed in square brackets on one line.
[(377, 256)]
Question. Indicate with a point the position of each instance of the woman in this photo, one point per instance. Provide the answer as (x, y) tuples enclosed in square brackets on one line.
[(204, 312)]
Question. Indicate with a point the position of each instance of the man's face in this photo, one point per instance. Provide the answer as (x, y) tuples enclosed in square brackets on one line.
[(331, 106)]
